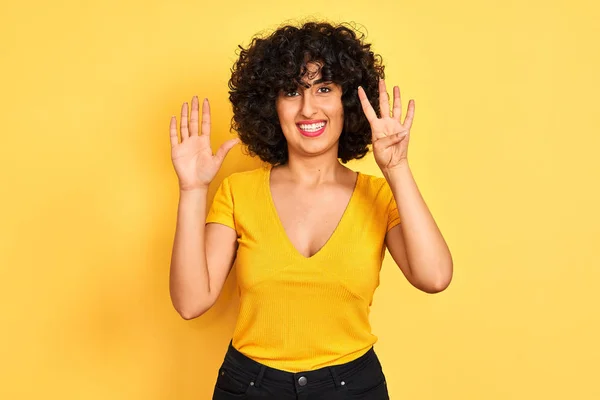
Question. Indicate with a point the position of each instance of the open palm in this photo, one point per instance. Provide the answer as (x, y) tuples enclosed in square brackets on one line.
[(193, 159), (390, 137)]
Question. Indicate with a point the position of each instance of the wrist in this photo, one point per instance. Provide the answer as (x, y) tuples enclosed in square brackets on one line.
[(401, 167), (193, 191)]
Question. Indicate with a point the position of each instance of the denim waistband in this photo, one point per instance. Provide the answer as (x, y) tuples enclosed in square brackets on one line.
[(338, 372)]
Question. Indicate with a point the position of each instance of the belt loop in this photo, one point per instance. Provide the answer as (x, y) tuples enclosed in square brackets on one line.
[(260, 375), (336, 378)]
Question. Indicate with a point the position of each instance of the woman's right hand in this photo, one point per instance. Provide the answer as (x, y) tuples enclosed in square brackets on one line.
[(193, 159)]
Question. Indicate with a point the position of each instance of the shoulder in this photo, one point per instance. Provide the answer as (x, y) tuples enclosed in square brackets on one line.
[(375, 185), (375, 192), (244, 181)]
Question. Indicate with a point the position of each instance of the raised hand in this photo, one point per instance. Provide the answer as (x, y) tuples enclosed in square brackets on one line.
[(193, 159), (390, 137)]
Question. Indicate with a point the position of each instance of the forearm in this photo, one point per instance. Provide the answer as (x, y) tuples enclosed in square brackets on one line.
[(189, 283), (429, 258)]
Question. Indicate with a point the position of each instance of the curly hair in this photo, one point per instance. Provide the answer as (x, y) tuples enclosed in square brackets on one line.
[(278, 63)]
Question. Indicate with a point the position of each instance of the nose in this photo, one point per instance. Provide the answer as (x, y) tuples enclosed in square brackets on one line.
[(308, 105)]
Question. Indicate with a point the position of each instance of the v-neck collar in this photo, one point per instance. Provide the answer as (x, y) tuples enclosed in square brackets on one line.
[(275, 215)]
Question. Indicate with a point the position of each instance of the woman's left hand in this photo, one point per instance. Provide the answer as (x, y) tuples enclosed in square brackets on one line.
[(389, 136)]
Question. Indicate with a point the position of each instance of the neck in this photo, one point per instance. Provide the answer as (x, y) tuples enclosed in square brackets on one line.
[(314, 170)]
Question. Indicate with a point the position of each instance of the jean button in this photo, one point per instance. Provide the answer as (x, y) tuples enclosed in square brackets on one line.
[(302, 381)]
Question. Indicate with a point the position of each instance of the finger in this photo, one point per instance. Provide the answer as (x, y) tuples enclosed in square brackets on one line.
[(409, 115), (205, 118), (184, 122), (397, 111), (388, 141), (173, 131), (384, 100), (225, 147), (366, 106), (194, 117)]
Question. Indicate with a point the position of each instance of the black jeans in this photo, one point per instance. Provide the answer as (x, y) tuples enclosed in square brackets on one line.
[(241, 377)]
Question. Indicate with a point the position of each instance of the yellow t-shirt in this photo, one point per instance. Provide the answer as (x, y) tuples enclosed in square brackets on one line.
[(297, 313)]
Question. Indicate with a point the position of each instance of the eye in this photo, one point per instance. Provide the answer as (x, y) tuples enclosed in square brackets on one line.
[(291, 93), (324, 89)]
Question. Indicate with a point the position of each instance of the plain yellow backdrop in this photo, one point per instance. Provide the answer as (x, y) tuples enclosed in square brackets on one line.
[(504, 149)]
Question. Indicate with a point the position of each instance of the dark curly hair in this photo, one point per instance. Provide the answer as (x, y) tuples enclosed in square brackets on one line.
[(278, 63)]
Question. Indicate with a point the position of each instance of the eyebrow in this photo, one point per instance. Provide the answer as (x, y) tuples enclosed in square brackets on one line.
[(316, 83)]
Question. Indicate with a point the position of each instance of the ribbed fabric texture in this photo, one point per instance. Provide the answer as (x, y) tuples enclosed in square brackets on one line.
[(297, 313)]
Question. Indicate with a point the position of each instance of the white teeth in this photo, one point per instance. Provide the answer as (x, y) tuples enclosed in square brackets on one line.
[(312, 127)]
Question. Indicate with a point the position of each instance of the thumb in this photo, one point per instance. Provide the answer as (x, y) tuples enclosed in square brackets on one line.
[(387, 141), (225, 147)]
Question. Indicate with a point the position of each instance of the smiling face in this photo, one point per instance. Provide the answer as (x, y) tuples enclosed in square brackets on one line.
[(312, 118)]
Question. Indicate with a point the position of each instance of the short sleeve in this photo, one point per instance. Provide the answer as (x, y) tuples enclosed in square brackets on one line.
[(392, 211), (221, 209), (393, 215)]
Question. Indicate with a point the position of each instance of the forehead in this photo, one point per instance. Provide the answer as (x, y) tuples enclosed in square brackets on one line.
[(312, 72)]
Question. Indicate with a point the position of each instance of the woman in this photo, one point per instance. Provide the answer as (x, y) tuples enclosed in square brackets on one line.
[(308, 234)]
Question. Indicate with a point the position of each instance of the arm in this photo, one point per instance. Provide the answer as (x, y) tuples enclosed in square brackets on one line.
[(202, 256), (417, 245)]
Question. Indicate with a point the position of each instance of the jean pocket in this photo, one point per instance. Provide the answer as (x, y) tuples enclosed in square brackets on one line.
[(369, 383), (220, 394), (377, 392), (231, 382)]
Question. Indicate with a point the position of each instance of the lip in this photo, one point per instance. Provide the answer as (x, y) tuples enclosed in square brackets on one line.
[(311, 134)]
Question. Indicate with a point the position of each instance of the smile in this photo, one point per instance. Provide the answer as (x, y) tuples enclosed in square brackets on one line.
[(311, 128)]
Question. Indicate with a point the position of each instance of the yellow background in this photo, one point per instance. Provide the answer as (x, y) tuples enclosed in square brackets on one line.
[(504, 149)]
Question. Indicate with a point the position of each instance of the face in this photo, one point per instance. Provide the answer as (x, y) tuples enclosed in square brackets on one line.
[(312, 118)]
